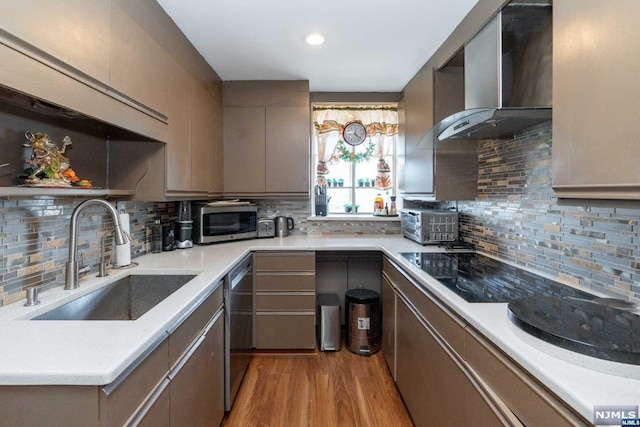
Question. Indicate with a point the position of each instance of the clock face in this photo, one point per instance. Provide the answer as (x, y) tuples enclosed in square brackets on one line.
[(354, 133)]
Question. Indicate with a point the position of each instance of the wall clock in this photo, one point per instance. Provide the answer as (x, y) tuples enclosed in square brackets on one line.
[(354, 133)]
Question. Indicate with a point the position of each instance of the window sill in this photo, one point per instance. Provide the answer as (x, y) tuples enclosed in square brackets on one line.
[(354, 217)]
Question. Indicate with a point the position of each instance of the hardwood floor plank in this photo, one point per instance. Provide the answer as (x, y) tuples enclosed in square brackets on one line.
[(321, 389)]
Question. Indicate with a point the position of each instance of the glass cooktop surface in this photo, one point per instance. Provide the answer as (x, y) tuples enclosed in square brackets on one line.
[(478, 278)]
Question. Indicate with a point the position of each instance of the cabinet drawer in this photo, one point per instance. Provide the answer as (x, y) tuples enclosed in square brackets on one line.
[(286, 261), (285, 282), (285, 331), (190, 327), (443, 320), (285, 301), (120, 399), (528, 400)]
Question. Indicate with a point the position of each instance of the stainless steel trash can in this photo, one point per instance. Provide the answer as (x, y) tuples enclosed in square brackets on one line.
[(329, 333), (363, 320)]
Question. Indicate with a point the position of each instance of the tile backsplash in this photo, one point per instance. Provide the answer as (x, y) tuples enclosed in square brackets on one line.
[(516, 216), (34, 235)]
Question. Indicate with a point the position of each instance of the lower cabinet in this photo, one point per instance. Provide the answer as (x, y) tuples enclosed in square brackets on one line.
[(197, 383), (433, 381), (285, 300), (178, 382), (448, 373)]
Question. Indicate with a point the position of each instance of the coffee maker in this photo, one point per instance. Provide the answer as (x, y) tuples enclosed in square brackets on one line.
[(184, 226)]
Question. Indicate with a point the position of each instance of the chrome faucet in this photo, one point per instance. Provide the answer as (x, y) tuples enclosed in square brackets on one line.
[(73, 266)]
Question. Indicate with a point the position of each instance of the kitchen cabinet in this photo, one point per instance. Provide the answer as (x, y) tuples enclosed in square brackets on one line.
[(73, 33), (122, 67), (529, 401), (595, 100), (285, 298), (138, 63), (267, 130), (197, 382), (448, 373), (194, 150), (178, 381), (433, 381), (430, 371)]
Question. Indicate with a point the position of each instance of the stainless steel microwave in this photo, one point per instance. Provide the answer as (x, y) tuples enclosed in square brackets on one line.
[(214, 224)]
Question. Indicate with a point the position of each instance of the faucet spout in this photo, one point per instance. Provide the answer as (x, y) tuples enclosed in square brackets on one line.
[(73, 265)]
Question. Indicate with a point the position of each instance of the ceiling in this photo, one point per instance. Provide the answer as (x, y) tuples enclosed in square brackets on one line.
[(371, 46)]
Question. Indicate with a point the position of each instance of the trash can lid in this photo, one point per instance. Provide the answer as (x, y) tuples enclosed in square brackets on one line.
[(362, 296)]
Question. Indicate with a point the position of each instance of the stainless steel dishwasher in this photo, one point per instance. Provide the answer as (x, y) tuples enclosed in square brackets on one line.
[(238, 327)]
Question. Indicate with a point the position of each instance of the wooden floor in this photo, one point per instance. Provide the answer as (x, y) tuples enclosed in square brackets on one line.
[(318, 389)]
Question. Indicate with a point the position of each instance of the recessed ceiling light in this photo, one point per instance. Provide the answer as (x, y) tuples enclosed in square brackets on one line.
[(314, 39)]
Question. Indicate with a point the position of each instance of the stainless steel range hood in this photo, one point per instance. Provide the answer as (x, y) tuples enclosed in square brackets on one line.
[(507, 77)]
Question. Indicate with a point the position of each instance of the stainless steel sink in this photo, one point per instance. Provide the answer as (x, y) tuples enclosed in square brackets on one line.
[(126, 299)]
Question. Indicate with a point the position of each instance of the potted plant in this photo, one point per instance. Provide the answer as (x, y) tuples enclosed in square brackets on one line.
[(366, 182), (340, 182), (355, 208), (347, 207), (360, 182), (335, 182)]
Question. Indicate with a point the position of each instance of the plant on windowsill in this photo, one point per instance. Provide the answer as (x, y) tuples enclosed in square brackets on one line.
[(367, 182), (340, 182), (360, 182), (348, 208)]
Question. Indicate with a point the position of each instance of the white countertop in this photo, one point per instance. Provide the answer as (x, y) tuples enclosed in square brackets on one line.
[(96, 352)]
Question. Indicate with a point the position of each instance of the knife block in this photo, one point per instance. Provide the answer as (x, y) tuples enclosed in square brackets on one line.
[(321, 210)]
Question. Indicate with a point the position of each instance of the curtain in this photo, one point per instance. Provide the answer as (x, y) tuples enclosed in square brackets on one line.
[(381, 123)]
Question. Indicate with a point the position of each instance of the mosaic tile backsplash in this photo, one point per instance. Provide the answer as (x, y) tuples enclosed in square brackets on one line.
[(517, 217), (34, 236)]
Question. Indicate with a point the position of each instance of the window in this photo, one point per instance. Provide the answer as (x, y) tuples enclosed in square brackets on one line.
[(352, 177)]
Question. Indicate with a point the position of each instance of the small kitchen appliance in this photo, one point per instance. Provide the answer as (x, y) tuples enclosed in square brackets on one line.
[(284, 224), (266, 228), (429, 226), (184, 226), (224, 221)]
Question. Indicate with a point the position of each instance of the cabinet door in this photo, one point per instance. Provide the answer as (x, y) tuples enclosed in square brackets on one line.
[(286, 330), (74, 32), (433, 382), (178, 148), (202, 137), (138, 66), (214, 140), (244, 149), (595, 100), (389, 325), (197, 390), (287, 149)]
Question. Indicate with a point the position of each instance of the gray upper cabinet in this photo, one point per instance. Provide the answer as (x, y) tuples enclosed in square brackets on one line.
[(73, 33), (595, 99), (267, 128), (138, 64), (244, 149), (287, 149)]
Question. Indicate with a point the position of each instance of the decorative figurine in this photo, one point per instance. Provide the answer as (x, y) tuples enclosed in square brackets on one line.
[(49, 167)]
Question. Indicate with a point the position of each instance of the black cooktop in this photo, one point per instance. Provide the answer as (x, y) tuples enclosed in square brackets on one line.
[(478, 278), (606, 328)]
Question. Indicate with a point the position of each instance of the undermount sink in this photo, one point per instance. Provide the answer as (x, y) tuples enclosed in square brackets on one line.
[(126, 299)]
